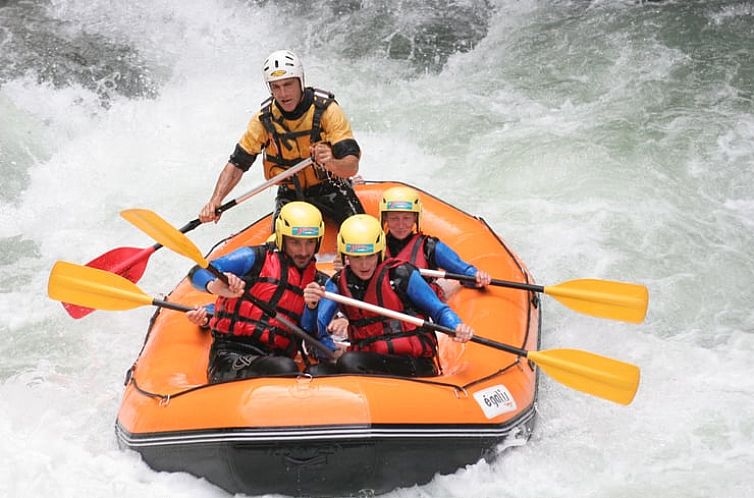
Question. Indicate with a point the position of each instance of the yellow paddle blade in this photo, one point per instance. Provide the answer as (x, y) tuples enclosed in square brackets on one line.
[(603, 298), (93, 288), (163, 232), (590, 373)]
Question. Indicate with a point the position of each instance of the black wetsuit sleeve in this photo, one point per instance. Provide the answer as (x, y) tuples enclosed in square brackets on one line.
[(347, 147), (260, 252), (400, 276), (430, 244), (321, 277), (241, 159)]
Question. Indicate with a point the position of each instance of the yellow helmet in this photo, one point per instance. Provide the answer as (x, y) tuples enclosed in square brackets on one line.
[(361, 235), (401, 199), (300, 220)]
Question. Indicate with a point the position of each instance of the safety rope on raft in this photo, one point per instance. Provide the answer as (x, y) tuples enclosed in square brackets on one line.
[(460, 391), (492, 375)]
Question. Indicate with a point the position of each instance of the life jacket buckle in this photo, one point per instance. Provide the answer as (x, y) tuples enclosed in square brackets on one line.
[(304, 379)]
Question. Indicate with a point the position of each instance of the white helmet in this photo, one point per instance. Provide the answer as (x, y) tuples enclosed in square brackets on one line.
[(283, 64)]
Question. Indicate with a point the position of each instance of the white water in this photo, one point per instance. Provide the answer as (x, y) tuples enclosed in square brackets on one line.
[(609, 140)]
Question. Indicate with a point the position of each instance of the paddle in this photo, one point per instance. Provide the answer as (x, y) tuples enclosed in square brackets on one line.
[(130, 262), (102, 290), (580, 370), (99, 289), (166, 234), (601, 298)]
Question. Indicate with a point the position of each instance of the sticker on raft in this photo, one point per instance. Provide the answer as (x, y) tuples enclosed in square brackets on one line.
[(495, 401)]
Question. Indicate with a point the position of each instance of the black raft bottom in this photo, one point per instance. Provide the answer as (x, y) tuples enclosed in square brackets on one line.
[(321, 467)]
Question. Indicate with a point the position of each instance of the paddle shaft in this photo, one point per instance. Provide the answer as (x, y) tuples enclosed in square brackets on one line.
[(295, 329), (195, 223), (272, 181), (267, 309), (172, 306), (214, 271), (601, 298), (146, 252), (419, 322), (494, 281), (234, 202), (159, 229), (131, 262)]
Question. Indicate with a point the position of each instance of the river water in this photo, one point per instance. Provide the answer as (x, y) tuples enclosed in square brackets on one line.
[(605, 139)]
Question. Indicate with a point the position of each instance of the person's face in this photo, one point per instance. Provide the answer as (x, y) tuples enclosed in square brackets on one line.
[(400, 224), (287, 93), (363, 266), (301, 251)]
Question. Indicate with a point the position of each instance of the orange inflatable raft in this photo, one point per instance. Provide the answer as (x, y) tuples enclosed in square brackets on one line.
[(341, 434)]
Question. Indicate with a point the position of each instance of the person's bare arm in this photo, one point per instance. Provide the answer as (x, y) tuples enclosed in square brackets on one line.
[(228, 179), (344, 167)]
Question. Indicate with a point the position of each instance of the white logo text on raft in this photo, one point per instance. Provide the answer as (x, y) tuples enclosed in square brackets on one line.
[(495, 401)]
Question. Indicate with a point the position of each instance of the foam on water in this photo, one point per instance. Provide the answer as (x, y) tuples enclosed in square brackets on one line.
[(609, 140)]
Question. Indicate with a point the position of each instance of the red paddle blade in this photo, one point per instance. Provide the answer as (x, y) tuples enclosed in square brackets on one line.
[(128, 262)]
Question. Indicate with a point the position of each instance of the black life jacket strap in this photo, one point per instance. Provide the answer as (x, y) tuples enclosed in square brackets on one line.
[(266, 119), (322, 100), (362, 322), (378, 284), (415, 250), (421, 333)]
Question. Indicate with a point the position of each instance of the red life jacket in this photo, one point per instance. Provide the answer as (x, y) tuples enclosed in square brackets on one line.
[(370, 331), (413, 252), (278, 283)]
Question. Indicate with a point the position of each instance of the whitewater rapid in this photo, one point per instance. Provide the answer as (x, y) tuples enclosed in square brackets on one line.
[(607, 139)]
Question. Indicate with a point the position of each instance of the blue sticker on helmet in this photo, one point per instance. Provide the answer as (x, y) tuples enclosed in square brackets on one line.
[(305, 231), (404, 205), (360, 248)]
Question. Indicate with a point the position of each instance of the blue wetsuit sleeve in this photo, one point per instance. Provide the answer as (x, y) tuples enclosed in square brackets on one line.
[(239, 262), (422, 295), (325, 312), (447, 259), (309, 321)]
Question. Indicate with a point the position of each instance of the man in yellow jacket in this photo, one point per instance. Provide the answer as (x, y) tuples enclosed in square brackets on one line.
[(295, 123)]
